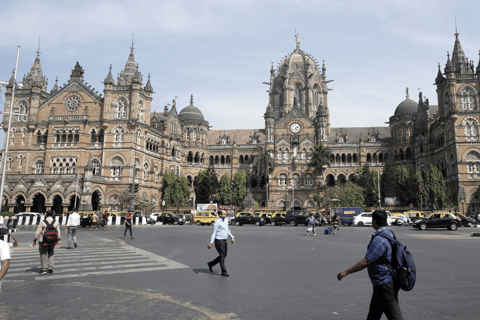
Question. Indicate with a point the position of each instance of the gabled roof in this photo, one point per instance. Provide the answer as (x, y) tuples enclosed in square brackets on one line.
[(241, 136), (75, 86)]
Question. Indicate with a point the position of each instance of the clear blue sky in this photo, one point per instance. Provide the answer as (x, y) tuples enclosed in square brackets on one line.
[(221, 51)]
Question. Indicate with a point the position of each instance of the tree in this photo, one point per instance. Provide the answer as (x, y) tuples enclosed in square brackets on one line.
[(175, 190), (224, 195), (407, 183), (320, 158), (239, 187), (434, 189), (350, 195), (387, 185), (263, 165), (206, 186), (367, 181), (123, 200)]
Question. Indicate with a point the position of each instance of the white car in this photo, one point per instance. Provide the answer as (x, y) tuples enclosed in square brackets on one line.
[(365, 219)]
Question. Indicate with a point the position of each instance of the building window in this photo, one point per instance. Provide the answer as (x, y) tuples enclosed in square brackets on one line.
[(118, 137), (96, 167), (121, 109), (224, 141), (468, 100), (39, 165), (22, 111)]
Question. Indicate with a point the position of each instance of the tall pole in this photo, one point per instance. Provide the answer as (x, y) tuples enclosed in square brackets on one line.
[(132, 187), (76, 191), (379, 197), (8, 128)]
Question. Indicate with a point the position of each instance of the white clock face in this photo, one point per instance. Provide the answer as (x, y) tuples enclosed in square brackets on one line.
[(295, 127)]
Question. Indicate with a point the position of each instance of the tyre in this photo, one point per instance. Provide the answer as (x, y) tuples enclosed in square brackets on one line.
[(198, 223), (257, 223), (453, 227), (422, 226), (175, 223), (293, 223), (272, 223), (399, 223), (237, 223), (212, 223), (360, 224), (469, 225)]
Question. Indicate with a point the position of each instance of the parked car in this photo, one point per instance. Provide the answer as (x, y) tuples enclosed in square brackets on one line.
[(170, 218), (278, 219), (205, 217), (466, 221), (296, 217), (438, 220), (267, 216), (249, 218), (365, 219), (230, 218)]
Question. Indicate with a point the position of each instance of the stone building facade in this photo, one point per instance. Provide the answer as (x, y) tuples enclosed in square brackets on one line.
[(71, 146)]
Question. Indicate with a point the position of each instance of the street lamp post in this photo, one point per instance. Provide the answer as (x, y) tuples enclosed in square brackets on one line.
[(9, 125), (132, 187)]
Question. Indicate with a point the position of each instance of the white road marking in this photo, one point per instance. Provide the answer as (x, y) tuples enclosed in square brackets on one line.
[(86, 274)]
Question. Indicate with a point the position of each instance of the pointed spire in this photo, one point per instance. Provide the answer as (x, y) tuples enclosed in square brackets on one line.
[(55, 87), (191, 99), (440, 77), (478, 67), (148, 86), (459, 60), (137, 78), (109, 78), (35, 76), (77, 73), (324, 70), (407, 96), (448, 67)]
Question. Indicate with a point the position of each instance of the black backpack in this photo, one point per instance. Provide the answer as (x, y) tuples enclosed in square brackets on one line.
[(402, 268), (50, 236)]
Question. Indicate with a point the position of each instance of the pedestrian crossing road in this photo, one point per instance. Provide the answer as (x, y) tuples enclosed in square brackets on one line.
[(108, 258)]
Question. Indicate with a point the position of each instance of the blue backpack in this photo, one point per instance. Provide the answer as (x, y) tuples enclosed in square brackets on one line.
[(402, 267), (311, 220)]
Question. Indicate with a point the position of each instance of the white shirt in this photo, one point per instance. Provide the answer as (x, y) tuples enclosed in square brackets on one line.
[(1, 219), (4, 253), (73, 220)]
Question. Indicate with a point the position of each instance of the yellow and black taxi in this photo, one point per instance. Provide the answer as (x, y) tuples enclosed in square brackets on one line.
[(438, 220), (278, 218), (205, 217)]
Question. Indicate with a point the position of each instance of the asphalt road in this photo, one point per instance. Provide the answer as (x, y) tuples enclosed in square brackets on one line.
[(275, 273)]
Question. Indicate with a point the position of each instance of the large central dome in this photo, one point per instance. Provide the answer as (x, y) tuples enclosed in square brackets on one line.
[(406, 106), (191, 113)]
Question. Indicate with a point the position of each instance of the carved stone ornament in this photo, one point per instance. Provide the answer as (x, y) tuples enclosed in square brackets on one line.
[(72, 103), (472, 156)]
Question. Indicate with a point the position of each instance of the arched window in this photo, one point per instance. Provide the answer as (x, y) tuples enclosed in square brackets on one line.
[(121, 109), (118, 137), (473, 164), (22, 111), (282, 181), (145, 171), (295, 179), (141, 112), (39, 165), (116, 165), (309, 180), (468, 99), (96, 167)]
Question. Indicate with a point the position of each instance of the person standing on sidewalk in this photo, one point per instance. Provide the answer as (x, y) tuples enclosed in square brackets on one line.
[(105, 220), (220, 235), (128, 225), (311, 224), (378, 257), (4, 260), (72, 223), (46, 251)]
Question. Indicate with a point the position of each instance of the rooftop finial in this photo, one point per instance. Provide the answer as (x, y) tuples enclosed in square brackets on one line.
[(448, 55), (407, 93), (297, 39), (131, 48), (110, 67), (456, 32), (38, 52), (191, 99)]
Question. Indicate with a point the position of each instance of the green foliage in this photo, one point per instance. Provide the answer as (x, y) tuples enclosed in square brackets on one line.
[(175, 190), (320, 158), (263, 165), (434, 189), (387, 185), (225, 195), (368, 181), (407, 183), (206, 186), (350, 195), (239, 187)]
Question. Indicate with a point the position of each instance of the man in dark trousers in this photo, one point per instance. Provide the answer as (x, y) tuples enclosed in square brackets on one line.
[(220, 235), (379, 254), (128, 224)]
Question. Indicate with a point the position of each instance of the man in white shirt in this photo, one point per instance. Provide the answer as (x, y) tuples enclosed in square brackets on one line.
[(4, 259), (220, 235), (72, 224)]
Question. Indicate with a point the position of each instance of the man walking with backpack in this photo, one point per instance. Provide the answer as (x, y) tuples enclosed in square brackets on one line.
[(48, 235), (378, 260)]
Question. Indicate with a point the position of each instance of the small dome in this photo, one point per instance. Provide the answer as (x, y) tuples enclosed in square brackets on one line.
[(191, 112), (406, 106)]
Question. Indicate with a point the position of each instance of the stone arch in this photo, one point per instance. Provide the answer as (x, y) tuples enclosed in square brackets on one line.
[(120, 101), (466, 152), (342, 180)]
